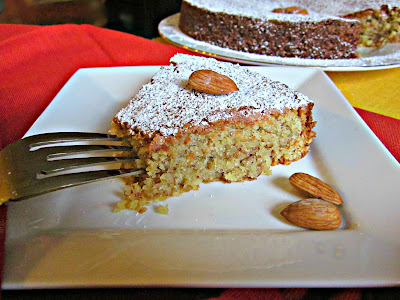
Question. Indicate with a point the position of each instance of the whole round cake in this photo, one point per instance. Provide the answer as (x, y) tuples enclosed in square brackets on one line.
[(300, 28)]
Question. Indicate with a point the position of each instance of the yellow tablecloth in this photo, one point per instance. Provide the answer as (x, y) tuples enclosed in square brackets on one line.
[(375, 91)]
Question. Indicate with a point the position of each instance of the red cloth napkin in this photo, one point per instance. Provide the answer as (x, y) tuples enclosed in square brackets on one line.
[(36, 61), (386, 129)]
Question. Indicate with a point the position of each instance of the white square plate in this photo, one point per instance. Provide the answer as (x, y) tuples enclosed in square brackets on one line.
[(223, 234)]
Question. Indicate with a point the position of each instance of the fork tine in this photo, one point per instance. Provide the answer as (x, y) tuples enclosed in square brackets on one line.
[(27, 172), (60, 182), (87, 150), (57, 166), (57, 137)]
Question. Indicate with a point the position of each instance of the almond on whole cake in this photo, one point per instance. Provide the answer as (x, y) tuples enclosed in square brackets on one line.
[(293, 28), (183, 136)]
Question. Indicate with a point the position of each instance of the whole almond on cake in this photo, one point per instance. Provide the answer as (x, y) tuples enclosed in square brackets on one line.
[(210, 82)]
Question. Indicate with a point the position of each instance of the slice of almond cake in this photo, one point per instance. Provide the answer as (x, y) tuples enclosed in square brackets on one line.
[(184, 135)]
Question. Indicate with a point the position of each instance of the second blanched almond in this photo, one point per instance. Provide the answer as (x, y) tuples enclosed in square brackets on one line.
[(315, 187), (210, 82)]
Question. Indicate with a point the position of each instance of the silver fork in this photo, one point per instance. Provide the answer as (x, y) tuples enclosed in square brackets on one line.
[(48, 162)]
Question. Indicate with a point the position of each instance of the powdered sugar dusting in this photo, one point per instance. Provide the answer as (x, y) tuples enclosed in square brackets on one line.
[(318, 10), (167, 103)]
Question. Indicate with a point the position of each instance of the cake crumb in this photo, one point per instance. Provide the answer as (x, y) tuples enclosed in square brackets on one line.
[(162, 209)]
